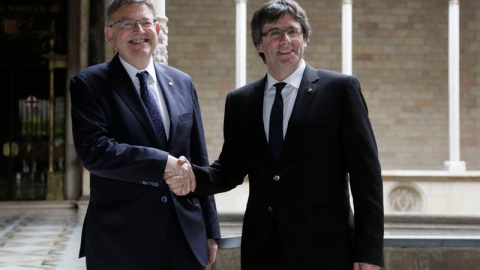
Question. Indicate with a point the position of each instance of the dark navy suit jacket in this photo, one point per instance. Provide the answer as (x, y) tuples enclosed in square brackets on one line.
[(126, 222), (329, 145)]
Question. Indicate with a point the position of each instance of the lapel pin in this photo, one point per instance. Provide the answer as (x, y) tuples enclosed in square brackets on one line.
[(309, 90), (170, 83)]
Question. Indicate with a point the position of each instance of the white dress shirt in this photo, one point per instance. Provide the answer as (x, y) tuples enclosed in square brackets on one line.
[(289, 94), (153, 86)]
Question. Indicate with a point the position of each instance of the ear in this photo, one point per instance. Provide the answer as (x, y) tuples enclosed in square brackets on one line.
[(259, 48), (157, 28), (109, 35)]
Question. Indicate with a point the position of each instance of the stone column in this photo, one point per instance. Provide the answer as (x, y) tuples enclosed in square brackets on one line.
[(454, 164), (241, 46), (347, 36), (76, 60), (161, 54)]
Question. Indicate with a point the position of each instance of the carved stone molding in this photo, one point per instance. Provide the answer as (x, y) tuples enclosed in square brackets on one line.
[(405, 198), (161, 55)]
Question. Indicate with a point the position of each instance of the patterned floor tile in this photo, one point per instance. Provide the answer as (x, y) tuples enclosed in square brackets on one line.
[(42, 239)]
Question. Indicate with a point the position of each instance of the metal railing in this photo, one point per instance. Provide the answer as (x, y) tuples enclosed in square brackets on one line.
[(431, 241)]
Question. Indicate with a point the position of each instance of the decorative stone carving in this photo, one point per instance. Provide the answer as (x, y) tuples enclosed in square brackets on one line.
[(161, 54), (405, 198), (422, 261)]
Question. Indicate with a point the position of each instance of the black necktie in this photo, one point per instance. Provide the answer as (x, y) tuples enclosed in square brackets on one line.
[(152, 108), (275, 138)]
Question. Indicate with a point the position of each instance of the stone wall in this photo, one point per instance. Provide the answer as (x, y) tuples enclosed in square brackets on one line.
[(408, 229), (400, 56), (400, 258)]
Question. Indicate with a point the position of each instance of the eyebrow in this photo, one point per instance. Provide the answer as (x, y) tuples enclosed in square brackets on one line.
[(278, 28), (271, 29), (130, 18)]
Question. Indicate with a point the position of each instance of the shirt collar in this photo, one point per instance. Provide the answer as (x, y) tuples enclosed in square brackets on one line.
[(294, 79), (132, 71)]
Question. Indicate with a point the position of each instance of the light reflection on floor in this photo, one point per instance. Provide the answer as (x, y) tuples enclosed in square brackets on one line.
[(43, 239)]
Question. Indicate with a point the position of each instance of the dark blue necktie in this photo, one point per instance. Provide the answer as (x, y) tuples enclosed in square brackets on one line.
[(152, 108), (275, 132)]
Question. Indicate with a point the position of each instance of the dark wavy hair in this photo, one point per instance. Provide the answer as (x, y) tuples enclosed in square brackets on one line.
[(272, 11)]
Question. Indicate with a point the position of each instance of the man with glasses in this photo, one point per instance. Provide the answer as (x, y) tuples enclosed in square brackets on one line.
[(302, 135), (131, 117)]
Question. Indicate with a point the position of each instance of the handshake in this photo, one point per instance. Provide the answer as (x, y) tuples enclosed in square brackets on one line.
[(179, 176)]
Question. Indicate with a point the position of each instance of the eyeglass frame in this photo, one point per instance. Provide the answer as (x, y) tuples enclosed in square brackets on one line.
[(282, 32), (140, 22)]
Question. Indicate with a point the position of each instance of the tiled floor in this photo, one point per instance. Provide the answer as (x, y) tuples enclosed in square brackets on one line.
[(33, 237), (45, 235)]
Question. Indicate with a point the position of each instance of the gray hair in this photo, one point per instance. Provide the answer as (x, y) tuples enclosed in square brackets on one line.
[(117, 4)]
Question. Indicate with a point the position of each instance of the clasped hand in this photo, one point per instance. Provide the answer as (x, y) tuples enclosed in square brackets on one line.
[(365, 266), (179, 176)]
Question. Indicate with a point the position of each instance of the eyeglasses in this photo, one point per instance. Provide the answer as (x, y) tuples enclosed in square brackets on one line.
[(277, 33), (129, 24)]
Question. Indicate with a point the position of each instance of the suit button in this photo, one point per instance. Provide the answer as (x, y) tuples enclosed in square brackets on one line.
[(276, 178), (270, 209), (164, 199)]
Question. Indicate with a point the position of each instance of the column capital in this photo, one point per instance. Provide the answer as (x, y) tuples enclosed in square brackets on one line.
[(454, 2), (347, 1), (162, 18), (240, 1)]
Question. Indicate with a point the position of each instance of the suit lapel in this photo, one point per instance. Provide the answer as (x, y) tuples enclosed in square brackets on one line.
[(167, 86), (256, 115), (306, 94), (126, 90)]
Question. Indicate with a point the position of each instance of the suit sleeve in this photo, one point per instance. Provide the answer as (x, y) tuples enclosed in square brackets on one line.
[(98, 150), (230, 169), (360, 149), (199, 156)]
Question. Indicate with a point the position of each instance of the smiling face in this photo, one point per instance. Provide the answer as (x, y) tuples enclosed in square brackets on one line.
[(134, 46), (283, 54)]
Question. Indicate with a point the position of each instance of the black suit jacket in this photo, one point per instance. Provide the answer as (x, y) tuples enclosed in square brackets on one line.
[(126, 222), (329, 141)]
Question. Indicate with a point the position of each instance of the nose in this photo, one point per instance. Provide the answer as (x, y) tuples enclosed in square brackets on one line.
[(138, 26), (285, 37)]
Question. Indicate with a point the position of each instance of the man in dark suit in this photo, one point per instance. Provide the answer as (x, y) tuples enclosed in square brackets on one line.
[(128, 126), (301, 143)]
